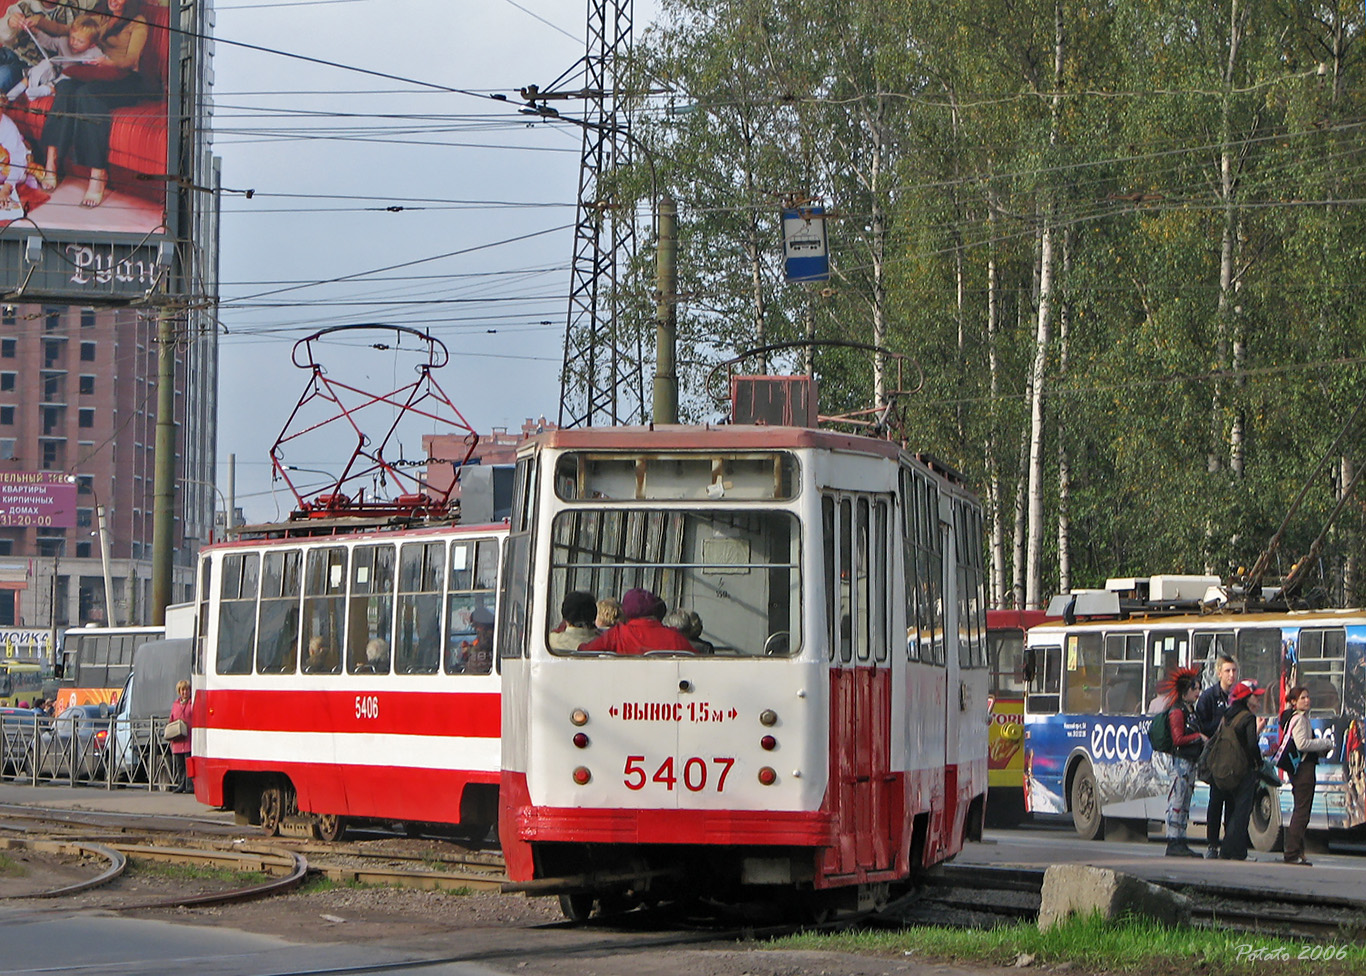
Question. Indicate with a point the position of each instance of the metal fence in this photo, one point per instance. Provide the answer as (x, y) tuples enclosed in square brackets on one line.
[(107, 752)]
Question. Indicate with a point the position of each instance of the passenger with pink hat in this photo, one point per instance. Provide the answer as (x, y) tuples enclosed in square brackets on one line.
[(641, 628)]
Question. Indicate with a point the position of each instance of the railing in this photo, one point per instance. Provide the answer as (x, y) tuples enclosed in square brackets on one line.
[(113, 753)]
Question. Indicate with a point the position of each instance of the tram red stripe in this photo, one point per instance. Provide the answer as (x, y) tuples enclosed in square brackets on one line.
[(468, 714)]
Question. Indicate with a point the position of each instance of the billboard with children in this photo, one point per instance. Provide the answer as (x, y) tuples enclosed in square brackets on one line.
[(86, 147)]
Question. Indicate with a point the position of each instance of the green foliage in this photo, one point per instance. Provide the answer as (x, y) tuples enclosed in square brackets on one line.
[(935, 135)]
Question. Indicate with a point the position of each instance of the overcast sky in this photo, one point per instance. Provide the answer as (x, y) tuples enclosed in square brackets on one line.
[(328, 151)]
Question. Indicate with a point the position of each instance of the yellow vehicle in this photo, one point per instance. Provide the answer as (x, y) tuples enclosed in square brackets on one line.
[(1005, 736), (21, 681)]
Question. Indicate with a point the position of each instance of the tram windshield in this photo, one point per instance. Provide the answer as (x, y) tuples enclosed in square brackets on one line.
[(736, 570)]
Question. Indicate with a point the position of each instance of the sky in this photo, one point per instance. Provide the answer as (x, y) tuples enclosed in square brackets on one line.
[(480, 252)]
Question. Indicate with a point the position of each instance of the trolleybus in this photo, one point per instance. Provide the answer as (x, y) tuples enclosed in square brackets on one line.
[(1093, 691)]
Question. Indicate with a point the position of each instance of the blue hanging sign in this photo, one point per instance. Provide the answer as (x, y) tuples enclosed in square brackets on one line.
[(805, 256)]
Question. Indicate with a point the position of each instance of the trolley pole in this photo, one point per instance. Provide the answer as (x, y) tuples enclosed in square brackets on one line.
[(163, 491), (666, 315)]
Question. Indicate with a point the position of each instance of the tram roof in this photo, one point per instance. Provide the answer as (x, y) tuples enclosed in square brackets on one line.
[(686, 437)]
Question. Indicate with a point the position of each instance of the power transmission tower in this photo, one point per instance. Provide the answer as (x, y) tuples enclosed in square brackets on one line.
[(603, 381)]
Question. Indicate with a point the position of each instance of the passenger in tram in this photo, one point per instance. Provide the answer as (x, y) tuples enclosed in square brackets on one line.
[(641, 629), (476, 656), (609, 613), (180, 746), (1187, 741), (1241, 718), (689, 624), (376, 657), (1295, 723), (321, 659), (578, 610), (1209, 712)]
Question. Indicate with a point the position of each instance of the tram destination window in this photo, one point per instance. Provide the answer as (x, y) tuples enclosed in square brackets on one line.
[(758, 476)]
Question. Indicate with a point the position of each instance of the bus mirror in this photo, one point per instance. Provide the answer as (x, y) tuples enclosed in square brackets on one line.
[(1029, 665)]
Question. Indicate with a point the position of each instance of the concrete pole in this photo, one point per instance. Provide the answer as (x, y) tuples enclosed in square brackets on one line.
[(666, 315), (163, 491), (102, 522)]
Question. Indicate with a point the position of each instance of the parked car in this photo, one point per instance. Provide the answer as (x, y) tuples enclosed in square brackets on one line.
[(89, 725), (19, 726)]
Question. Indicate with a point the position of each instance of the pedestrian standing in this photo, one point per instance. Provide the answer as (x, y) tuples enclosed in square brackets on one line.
[(1295, 724), (1187, 741), (1239, 716), (180, 745), (1209, 711)]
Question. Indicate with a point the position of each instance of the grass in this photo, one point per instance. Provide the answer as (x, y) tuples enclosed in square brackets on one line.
[(194, 872), (10, 868), (1094, 945), (319, 883)]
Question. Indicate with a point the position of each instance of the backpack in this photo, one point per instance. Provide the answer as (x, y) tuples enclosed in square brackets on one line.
[(1160, 732), (1223, 762)]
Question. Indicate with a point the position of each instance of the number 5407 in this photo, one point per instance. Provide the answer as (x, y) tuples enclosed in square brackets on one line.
[(695, 773)]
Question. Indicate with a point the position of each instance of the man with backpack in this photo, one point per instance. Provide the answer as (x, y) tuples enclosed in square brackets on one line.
[(1209, 711), (1231, 762)]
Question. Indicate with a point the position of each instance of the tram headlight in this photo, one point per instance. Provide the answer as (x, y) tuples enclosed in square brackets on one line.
[(581, 740), (768, 717), (768, 743), (582, 775), (578, 716), (768, 776)]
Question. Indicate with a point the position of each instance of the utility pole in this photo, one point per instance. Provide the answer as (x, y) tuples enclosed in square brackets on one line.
[(163, 491), (666, 315)]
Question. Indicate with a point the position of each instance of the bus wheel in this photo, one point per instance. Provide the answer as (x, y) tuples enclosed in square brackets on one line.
[(331, 827), (1265, 826), (1086, 804), (271, 810)]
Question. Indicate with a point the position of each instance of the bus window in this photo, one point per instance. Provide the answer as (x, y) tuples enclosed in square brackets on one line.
[(1044, 665), (1207, 648), (1082, 687), (1005, 657), (1259, 656), (1122, 674), (1166, 653), (1320, 663)]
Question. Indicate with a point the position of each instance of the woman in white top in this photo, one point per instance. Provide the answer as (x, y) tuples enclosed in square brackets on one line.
[(1302, 782)]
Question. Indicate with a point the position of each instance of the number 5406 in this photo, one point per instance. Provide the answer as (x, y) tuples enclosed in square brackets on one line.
[(695, 773)]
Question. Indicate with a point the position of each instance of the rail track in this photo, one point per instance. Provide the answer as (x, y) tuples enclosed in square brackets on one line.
[(958, 895)]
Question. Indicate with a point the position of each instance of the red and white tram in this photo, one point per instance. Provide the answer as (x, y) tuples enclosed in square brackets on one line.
[(832, 742), (344, 677)]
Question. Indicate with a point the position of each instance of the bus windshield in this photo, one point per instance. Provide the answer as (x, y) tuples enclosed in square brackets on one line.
[(736, 570)]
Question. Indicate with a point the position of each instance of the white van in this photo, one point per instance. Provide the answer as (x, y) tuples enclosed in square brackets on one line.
[(145, 705)]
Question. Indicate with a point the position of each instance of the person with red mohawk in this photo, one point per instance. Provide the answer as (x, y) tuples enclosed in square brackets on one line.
[(1182, 689)]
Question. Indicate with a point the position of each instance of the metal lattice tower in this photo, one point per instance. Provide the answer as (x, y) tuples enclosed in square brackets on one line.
[(602, 382)]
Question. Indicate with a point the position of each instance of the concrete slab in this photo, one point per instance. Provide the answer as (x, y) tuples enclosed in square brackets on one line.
[(142, 802)]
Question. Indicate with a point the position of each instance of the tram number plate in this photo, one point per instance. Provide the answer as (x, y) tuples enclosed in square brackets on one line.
[(695, 774)]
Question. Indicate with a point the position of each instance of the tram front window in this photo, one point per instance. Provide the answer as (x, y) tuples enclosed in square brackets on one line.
[(736, 570)]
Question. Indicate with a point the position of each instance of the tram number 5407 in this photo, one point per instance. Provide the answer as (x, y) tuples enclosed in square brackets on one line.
[(694, 773)]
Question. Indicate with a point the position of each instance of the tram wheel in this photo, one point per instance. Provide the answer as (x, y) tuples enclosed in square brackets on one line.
[(1264, 829), (331, 827), (577, 907), (1086, 816), (271, 810)]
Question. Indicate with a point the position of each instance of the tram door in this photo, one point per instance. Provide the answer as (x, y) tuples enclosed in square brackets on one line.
[(857, 599)]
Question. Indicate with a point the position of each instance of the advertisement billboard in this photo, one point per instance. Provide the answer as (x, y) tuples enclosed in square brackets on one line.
[(46, 499), (90, 184)]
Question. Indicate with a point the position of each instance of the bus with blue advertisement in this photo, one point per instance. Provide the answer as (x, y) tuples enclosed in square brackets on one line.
[(1092, 692)]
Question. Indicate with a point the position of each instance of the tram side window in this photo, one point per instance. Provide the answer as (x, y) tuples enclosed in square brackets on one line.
[(1082, 690), (202, 618), (421, 583), (1259, 656), (1321, 663), (1122, 674), (862, 641), (277, 642), (1044, 667), (907, 549), (882, 596), (845, 608), (237, 613), (831, 574), (370, 615), (517, 594), (324, 615), (470, 607)]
